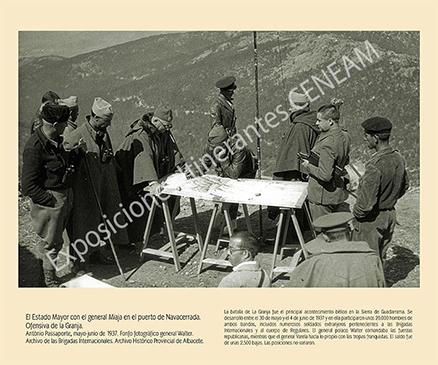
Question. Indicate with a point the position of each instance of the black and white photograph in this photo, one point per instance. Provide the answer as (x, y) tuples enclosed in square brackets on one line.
[(219, 159)]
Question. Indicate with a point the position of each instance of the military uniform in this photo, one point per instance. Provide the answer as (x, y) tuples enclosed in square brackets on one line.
[(384, 181), (338, 264), (222, 112), (46, 179), (382, 184), (326, 191), (335, 261), (95, 180)]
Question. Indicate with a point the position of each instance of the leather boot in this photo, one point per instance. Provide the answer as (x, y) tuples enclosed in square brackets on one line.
[(50, 279)]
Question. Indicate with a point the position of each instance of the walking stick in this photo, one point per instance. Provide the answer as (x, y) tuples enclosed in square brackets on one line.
[(103, 218)]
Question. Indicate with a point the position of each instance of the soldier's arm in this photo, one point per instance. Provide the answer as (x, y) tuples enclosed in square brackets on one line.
[(32, 176), (215, 115), (367, 192), (233, 166), (327, 158)]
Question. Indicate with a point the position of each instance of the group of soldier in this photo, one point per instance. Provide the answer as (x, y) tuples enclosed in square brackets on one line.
[(80, 185)]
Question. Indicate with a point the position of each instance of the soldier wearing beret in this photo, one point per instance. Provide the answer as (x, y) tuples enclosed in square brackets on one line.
[(384, 182), (96, 186), (147, 154), (222, 110), (335, 261), (327, 189), (46, 179)]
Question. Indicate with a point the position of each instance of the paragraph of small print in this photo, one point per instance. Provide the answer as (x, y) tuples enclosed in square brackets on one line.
[(301, 327)]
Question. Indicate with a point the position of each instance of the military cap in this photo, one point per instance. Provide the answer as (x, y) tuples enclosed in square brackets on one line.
[(50, 96), (164, 113), (377, 125), (298, 98), (333, 222), (71, 102), (55, 113), (227, 82), (101, 108)]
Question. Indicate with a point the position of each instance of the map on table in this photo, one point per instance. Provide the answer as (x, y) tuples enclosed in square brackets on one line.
[(287, 194)]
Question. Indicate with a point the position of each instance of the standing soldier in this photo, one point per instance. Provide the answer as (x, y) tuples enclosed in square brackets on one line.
[(46, 179), (300, 137), (222, 111), (385, 181), (96, 187), (147, 154), (327, 189)]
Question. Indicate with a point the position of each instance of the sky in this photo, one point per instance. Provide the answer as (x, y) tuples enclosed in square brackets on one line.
[(69, 44)]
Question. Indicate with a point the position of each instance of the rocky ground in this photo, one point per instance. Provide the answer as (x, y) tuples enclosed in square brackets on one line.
[(403, 269)]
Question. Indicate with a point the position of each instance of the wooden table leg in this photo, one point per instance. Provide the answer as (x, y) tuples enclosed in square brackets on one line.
[(299, 234), (147, 231), (195, 218), (309, 219), (171, 234), (247, 220), (208, 236), (228, 220), (277, 241), (285, 232)]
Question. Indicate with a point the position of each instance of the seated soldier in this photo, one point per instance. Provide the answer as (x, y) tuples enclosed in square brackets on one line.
[(335, 261), (247, 273)]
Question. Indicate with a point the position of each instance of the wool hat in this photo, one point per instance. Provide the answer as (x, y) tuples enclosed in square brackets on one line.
[(227, 82), (164, 113), (333, 222), (50, 96), (102, 108), (55, 113), (298, 98), (377, 125)]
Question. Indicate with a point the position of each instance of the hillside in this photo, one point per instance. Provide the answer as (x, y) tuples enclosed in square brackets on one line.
[(181, 69)]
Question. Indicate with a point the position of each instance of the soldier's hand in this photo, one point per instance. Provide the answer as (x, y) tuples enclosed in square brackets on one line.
[(155, 188)]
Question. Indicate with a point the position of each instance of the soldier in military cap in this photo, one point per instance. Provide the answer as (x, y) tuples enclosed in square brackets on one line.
[(222, 110), (335, 261), (384, 182), (95, 184)]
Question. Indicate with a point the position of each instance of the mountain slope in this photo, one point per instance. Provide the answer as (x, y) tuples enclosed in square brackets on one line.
[(181, 70)]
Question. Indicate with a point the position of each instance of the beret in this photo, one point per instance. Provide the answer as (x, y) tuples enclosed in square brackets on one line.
[(164, 113), (377, 125), (50, 96), (55, 113), (298, 98), (71, 102), (333, 221), (101, 108), (227, 82)]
